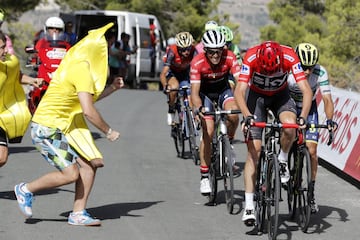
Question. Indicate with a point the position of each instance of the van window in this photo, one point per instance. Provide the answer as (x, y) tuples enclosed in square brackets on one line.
[(88, 22)]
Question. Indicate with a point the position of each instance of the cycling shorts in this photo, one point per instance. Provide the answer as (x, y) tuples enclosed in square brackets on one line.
[(312, 135), (3, 138), (53, 145), (259, 103), (220, 98)]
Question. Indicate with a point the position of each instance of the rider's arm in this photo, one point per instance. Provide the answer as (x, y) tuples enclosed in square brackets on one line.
[(195, 95), (328, 106), (25, 79), (163, 76), (307, 97), (115, 85), (240, 98)]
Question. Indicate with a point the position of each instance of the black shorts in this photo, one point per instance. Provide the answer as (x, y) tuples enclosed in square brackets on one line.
[(258, 105), (3, 138)]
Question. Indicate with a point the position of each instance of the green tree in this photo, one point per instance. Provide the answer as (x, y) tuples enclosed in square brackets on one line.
[(333, 26)]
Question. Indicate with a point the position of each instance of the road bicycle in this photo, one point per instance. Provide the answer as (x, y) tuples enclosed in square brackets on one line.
[(267, 185), (221, 166), (184, 127), (299, 186)]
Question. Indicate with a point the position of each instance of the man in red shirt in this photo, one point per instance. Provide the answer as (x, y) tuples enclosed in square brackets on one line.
[(209, 75), (264, 73)]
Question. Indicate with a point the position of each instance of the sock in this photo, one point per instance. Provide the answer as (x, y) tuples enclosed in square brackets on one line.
[(283, 156), (25, 189), (249, 200), (204, 171)]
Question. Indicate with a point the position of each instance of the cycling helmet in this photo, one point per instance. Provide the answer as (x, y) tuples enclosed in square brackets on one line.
[(213, 39), (269, 56), (308, 54), (171, 41), (184, 39), (211, 25), (229, 36), (55, 22)]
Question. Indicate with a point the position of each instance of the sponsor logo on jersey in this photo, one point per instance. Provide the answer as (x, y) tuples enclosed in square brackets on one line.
[(288, 57), (296, 68), (245, 69)]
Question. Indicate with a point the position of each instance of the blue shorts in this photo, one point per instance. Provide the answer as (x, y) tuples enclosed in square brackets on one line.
[(53, 145)]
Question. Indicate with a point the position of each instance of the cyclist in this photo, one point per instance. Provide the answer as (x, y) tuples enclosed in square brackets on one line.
[(229, 36), (176, 69), (209, 75), (318, 79), (209, 25), (51, 49), (264, 71)]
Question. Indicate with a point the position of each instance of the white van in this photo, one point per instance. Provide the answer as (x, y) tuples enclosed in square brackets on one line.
[(141, 69)]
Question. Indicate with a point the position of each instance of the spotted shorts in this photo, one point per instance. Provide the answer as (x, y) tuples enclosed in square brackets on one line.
[(53, 145)]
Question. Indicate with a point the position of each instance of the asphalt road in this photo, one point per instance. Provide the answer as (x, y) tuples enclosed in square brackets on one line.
[(146, 192)]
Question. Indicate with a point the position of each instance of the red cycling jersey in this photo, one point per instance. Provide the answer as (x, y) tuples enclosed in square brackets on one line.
[(270, 85), (176, 62), (214, 78)]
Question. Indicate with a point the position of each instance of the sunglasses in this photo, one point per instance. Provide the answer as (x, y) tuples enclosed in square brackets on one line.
[(212, 52), (305, 68), (184, 49), (54, 28)]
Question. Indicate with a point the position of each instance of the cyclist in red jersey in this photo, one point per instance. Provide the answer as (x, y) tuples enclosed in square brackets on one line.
[(51, 49), (209, 75), (176, 69), (264, 73)]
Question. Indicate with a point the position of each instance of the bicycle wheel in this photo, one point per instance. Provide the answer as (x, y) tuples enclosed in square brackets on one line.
[(272, 196), (228, 176), (304, 193), (213, 183), (260, 206), (194, 149), (291, 185), (176, 135)]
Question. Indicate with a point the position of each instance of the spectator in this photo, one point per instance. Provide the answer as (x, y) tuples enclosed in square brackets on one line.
[(9, 45), (125, 52), (14, 113), (58, 128), (69, 34)]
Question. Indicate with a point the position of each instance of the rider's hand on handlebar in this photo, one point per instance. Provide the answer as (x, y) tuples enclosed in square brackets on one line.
[(166, 89), (332, 126), (301, 122), (37, 82)]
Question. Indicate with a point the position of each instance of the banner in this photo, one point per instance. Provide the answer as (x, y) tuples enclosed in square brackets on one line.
[(344, 152)]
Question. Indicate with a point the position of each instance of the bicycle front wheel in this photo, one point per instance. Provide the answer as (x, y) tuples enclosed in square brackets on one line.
[(291, 185), (228, 176), (194, 149), (213, 183), (304, 191), (272, 197), (176, 134), (260, 205)]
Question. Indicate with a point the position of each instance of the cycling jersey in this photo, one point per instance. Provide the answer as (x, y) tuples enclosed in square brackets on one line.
[(176, 62), (318, 79), (214, 79), (270, 85)]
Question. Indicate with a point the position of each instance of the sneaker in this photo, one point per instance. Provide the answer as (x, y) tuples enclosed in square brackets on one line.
[(24, 200), (314, 207), (284, 172), (205, 186), (170, 118), (82, 218), (249, 217)]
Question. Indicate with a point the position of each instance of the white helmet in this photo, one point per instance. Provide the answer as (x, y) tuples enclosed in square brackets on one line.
[(171, 41), (55, 22), (213, 39), (211, 25)]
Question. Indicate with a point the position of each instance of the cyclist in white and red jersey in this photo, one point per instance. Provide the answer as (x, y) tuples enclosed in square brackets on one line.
[(176, 69), (264, 73), (209, 75), (318, 79)]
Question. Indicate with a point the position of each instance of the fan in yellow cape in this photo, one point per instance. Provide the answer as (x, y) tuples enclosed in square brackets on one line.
[(94, 50), (14, 113)]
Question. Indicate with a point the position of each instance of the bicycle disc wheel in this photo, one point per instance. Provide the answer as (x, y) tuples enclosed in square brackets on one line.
[(272, 197), (304, 193), (228, 176)]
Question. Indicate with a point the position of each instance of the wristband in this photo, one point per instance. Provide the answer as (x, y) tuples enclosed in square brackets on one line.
[(109, 132)]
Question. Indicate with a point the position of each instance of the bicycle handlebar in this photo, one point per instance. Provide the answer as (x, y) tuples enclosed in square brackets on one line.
[(331, 132), (274, 125), (219, 112)]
